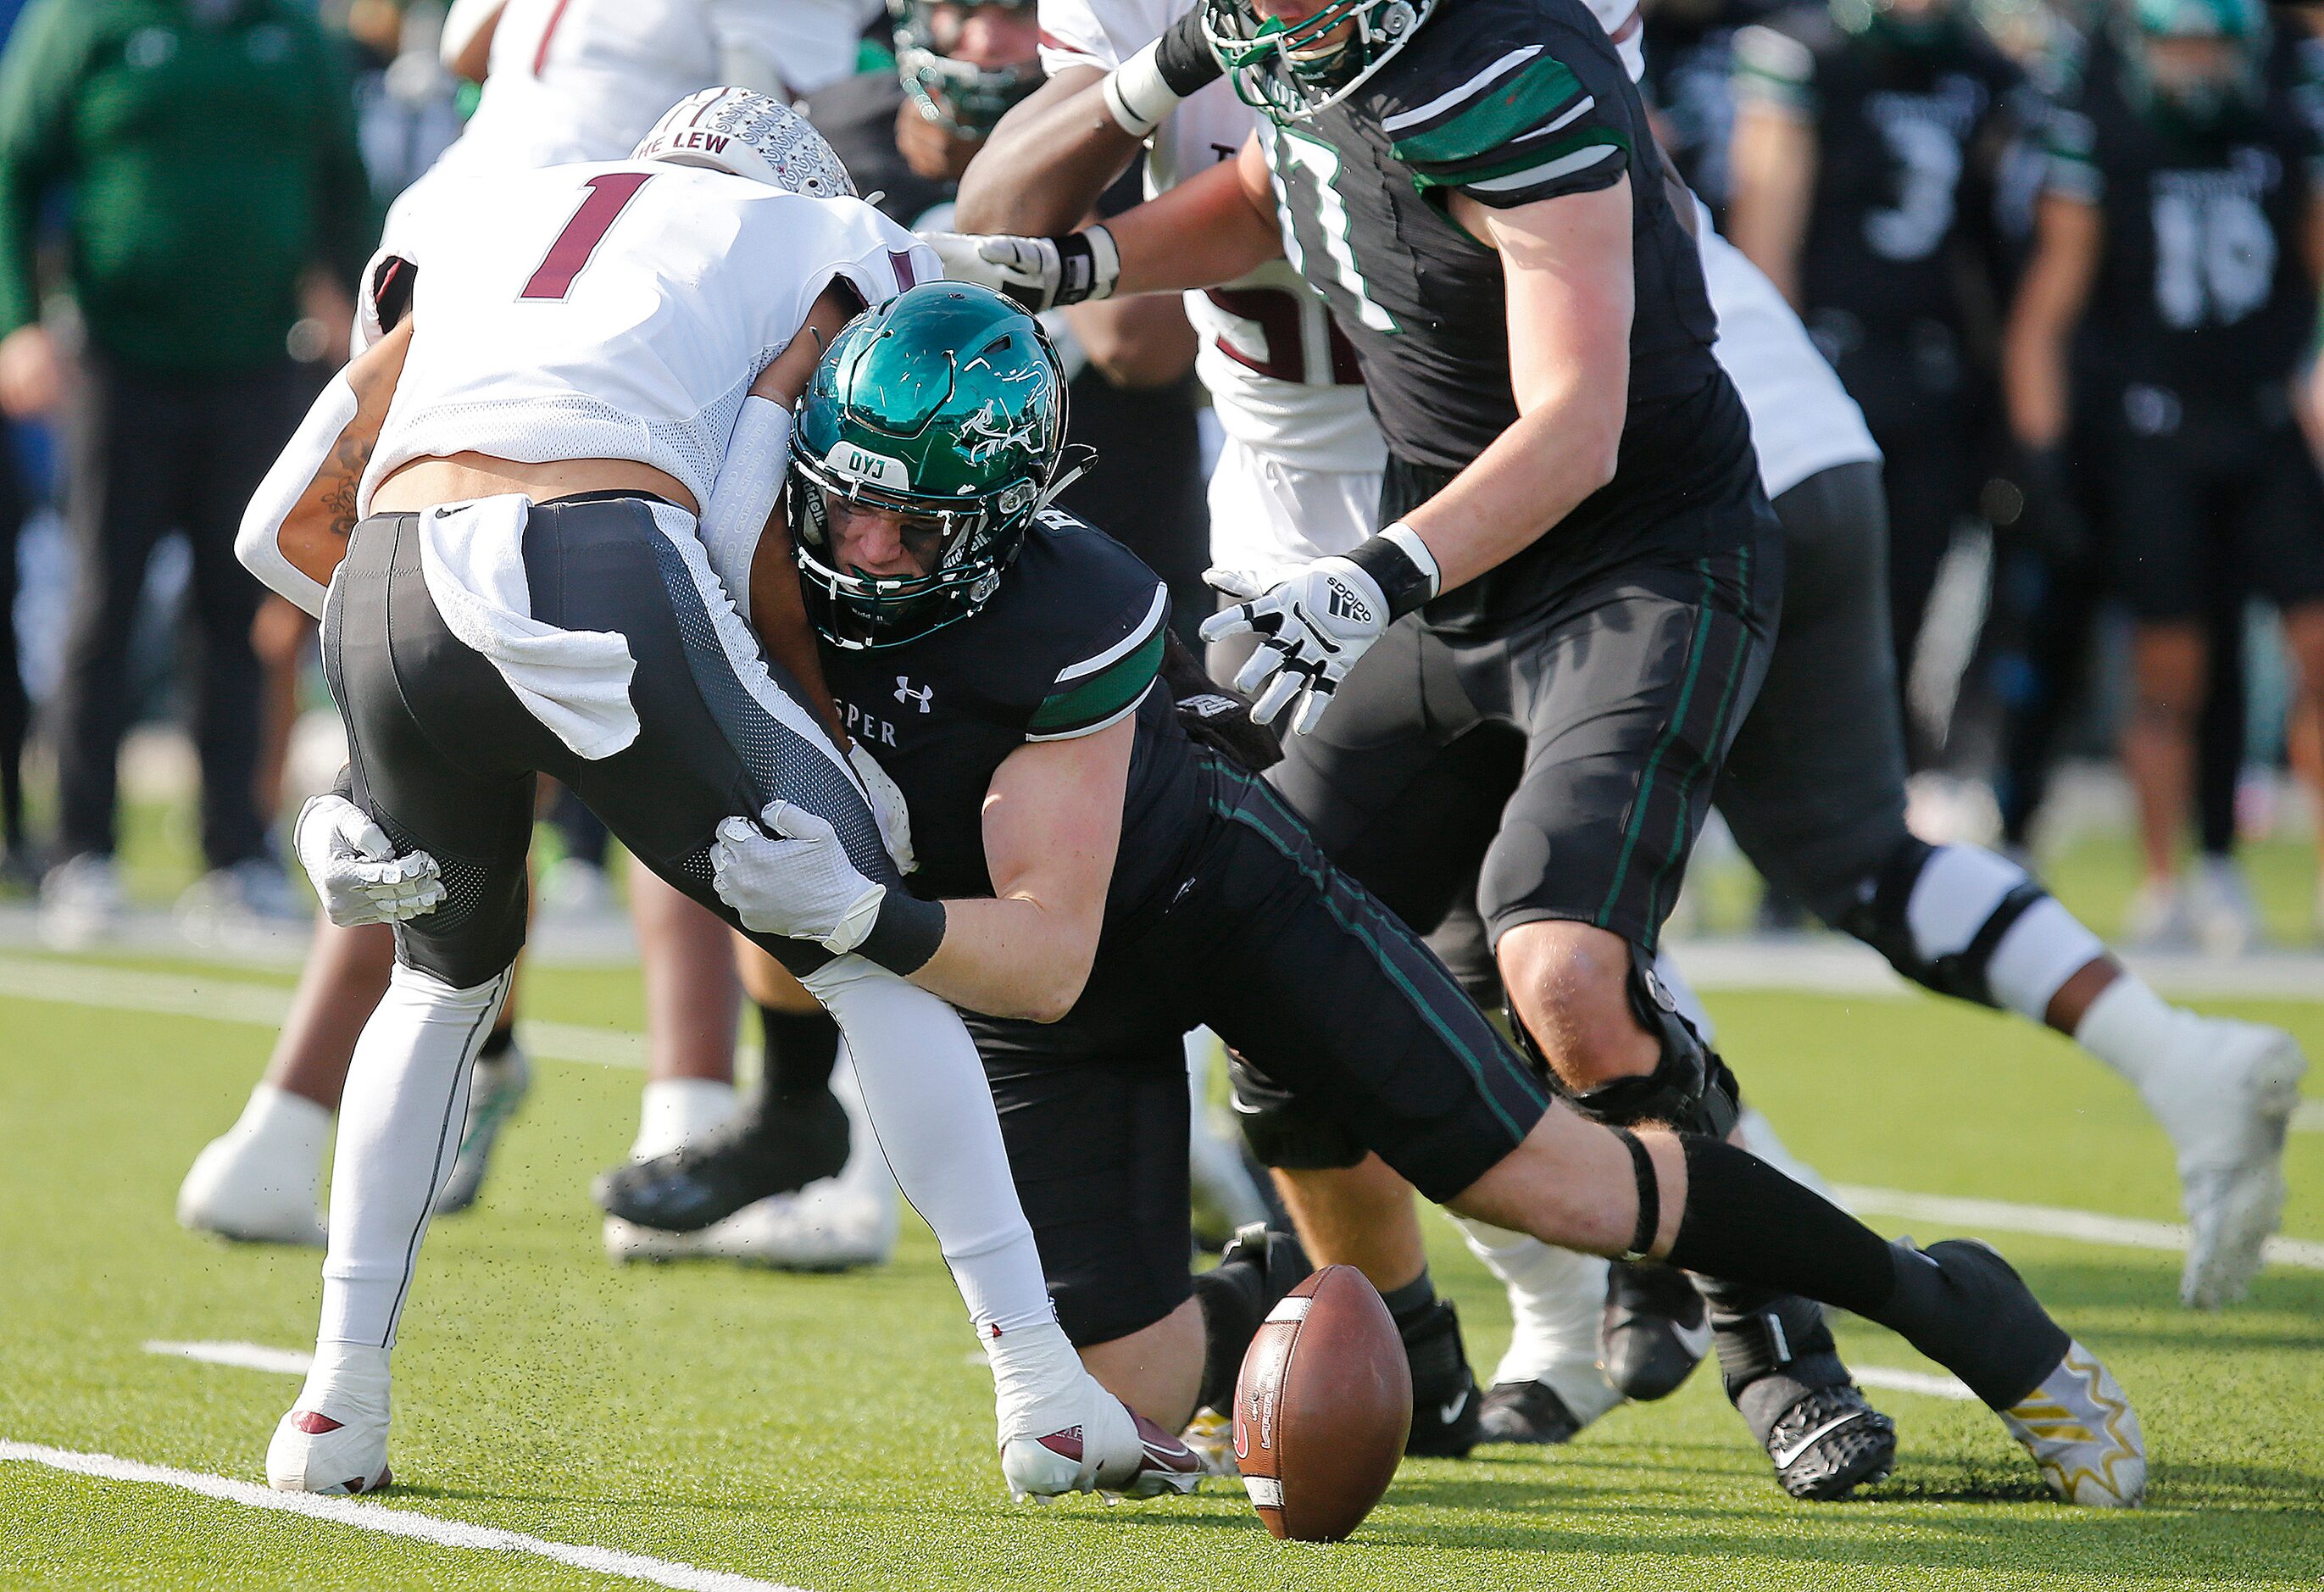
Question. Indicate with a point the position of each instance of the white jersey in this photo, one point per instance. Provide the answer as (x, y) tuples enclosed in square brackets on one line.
[(614, 310), (1280, 376), (586, 80)]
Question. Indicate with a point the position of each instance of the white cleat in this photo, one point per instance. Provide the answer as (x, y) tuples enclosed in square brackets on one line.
[(257, 1181), (1109, 1451), (2082, 1432), (2225, 1092), (496, 1089), (334, 1441)]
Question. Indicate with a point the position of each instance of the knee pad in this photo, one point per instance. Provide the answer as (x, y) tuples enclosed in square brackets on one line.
[(1285, 1130), (1690, 1088), (1945, 941)]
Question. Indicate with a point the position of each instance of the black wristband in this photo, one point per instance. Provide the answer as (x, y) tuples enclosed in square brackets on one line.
[(1183, 56), (906, 933), (1402, 582), (1076, 268), (1650, 1197)]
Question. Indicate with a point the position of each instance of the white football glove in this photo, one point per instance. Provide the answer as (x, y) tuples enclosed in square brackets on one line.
[(886, 806), (1039, 272), (795, 882), (1314, 621), (354, 869)]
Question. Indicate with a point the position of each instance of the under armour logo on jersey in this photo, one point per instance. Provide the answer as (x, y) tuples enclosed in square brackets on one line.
[(905, 692), (1343, 602)]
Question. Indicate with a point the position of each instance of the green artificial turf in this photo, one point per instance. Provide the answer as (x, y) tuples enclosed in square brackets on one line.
[(835, 1432)]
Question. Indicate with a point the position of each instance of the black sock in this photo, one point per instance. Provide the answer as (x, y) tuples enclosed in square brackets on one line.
[(496, 1043), (1747, 1223), (802, 1047), (1409, 1304), (1233, 1301)]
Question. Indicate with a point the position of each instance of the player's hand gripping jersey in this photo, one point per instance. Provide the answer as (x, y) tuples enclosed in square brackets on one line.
[(1508, 102), (1281, 376), (543, 345), (2203, 289)]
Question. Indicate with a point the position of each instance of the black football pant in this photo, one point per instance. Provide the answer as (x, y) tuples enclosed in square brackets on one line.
[(153, 452), (1326, 997), (444, 756)]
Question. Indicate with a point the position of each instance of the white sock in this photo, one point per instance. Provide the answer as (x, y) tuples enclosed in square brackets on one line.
[(932, 1111), (346, 1377), (1037, 1381), (2124, 1028), (399, 1121), (1556, 1299), (677, 1111)]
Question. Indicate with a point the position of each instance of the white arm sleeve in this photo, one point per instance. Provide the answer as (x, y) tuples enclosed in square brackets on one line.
[(749, 482), (258, 544)]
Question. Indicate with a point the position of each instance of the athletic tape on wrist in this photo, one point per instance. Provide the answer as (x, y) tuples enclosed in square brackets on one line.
[(1401, 565), (905, 934), (1088, 263), (1136, 95)]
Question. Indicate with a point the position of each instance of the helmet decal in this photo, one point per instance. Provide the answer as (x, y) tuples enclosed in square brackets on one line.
[(748, 134)]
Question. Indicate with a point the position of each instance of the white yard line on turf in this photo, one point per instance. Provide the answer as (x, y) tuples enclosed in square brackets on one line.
[(364, 1516), (248, 1357), (235, 1001), (2051, 1221), (232, 1000), (1935, 1384)]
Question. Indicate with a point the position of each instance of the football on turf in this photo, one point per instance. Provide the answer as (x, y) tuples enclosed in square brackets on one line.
[(1322, 1408)]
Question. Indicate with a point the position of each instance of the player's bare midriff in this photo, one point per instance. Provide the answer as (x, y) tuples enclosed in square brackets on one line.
[(424, 483)]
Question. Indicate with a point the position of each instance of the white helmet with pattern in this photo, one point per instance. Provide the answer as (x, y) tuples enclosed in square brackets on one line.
[(749, 134)]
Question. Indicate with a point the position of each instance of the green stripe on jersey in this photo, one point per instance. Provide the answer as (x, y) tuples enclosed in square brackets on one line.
[(1536, 95), (1553, 157), (1091, 702)]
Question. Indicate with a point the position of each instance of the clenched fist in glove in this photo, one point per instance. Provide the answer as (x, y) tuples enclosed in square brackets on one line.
[(1315, 619), (1039, 272), (354, 869)]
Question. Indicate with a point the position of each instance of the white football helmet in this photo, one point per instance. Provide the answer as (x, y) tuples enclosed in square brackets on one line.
[(749, 134)]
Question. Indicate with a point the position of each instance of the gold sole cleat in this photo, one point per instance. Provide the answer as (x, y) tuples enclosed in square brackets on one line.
[(2082, 1432)]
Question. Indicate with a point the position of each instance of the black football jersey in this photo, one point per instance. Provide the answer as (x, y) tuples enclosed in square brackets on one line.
[(1908, 131), (2203, 289), (1071, 643), (1508, 102)]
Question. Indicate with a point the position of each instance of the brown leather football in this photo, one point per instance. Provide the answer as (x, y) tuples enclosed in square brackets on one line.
[(1322, 1408)]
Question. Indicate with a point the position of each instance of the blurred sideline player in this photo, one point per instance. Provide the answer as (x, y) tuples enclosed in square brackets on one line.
[(1106, 884), (568, 455), (906, 132), (562, 81), (1866, 142), (1826, 820), (2168, 306)]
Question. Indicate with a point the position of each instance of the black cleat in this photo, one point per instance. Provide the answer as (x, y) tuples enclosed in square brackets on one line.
[(781, 1148), (1655, 1332), (1785, 1376), (1446, 1406), (1525, 1412), (1830, 1443)]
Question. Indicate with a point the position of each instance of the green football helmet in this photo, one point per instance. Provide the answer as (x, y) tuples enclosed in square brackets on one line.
[(1289, 71), (965, 100), (947, 405)]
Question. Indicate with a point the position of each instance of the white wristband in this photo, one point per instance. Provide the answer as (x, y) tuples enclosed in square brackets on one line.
[(1136, 96), (750, 481), (1408, 542)]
